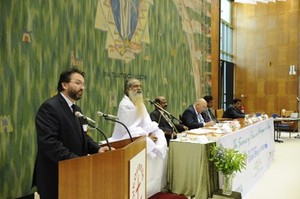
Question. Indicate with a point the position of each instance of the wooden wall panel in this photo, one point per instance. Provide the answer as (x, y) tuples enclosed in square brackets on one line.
[(266, 43), (215, 48), (260, 84), (282, 53), (259, 103), (271, 38), (270, 103), (270, 87), (292, 19), (292, 86), (281, 87), (293, 54), (293, 36), (251, 87), (282, 21), (261, 53)]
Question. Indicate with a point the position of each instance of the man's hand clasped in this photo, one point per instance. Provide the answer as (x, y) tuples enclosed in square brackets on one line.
[(210, 123), (153, 137)]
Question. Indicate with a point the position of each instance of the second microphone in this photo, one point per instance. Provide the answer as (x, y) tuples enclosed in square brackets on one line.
[(107, 116)]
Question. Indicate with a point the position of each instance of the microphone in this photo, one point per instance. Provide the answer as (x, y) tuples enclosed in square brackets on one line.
[(115, 119), (105, 137), (152, 102), (157, 105), (87, 119), (107, 116)]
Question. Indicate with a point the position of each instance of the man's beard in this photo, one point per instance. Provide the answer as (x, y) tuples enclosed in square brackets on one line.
[(75, 95), (138, 101)]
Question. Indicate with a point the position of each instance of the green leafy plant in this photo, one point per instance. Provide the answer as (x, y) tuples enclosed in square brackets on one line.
[(227, 160)]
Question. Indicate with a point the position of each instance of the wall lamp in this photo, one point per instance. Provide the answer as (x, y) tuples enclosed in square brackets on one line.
[(292, 70)]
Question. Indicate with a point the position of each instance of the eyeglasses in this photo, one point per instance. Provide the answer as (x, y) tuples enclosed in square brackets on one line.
[(80, 84)]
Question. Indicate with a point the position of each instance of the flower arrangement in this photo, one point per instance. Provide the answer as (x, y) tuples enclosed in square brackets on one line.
[(227, 160)]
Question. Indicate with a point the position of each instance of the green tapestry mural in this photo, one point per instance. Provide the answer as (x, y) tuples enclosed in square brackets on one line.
[(164, 43)]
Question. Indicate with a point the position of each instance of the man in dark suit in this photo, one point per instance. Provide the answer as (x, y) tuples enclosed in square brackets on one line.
[(164, 120), (234, 110), (60, 135), (207, 114), (192, 117)]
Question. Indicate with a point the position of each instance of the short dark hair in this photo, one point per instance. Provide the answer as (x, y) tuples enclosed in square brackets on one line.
[(208, 98), (65, 76), (236, 100)]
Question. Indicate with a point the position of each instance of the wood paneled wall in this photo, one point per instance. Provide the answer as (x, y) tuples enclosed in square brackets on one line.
[(266, 42), (215, 49)]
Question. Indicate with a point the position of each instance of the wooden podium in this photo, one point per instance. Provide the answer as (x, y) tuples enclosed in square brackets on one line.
[(102, 175)]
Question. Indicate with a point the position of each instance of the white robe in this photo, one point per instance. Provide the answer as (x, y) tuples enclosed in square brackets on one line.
[(139, 126), (157, 151)]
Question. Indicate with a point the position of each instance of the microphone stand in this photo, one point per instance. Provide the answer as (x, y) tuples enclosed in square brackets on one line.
[(108, 144), (117, 121), (163, 110), (171, 117)]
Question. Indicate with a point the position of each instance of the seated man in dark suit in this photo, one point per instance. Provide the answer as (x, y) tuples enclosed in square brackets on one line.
[(164, 120), (208, 113), (234, 110), (192, 117)]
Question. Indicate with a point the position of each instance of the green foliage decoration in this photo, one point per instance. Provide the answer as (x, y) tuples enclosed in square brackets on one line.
[(227, 160)]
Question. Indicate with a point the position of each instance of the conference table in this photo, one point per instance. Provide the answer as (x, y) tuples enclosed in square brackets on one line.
[(189, 170), (278, 121), (191, 173)]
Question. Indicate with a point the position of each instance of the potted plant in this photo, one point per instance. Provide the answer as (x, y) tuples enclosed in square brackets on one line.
[(228, 161)]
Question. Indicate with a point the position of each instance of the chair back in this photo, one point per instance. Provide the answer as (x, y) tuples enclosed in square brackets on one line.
[(288, 113), (294, 115), (219, 113)]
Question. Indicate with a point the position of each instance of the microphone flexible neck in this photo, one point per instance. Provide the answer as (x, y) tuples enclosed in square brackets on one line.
[(108, 144), (158, 106), (117, 121)]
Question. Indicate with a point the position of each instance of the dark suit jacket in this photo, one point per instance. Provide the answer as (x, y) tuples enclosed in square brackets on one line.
[(232, 112), (60, 136), (190, 119), (164, 125), (206, 116)]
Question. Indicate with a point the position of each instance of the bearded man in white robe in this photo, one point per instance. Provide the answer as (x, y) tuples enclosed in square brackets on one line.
[(133, 113)]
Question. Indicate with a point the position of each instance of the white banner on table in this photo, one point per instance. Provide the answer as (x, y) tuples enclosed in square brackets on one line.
[(257, 141)]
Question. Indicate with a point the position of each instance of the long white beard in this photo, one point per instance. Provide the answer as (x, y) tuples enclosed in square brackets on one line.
[(138, 101)]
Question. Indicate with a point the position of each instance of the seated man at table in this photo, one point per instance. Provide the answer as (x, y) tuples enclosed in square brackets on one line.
[(192, 117), (133, 113), (208, 114), (234, 110), (165, 120)]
